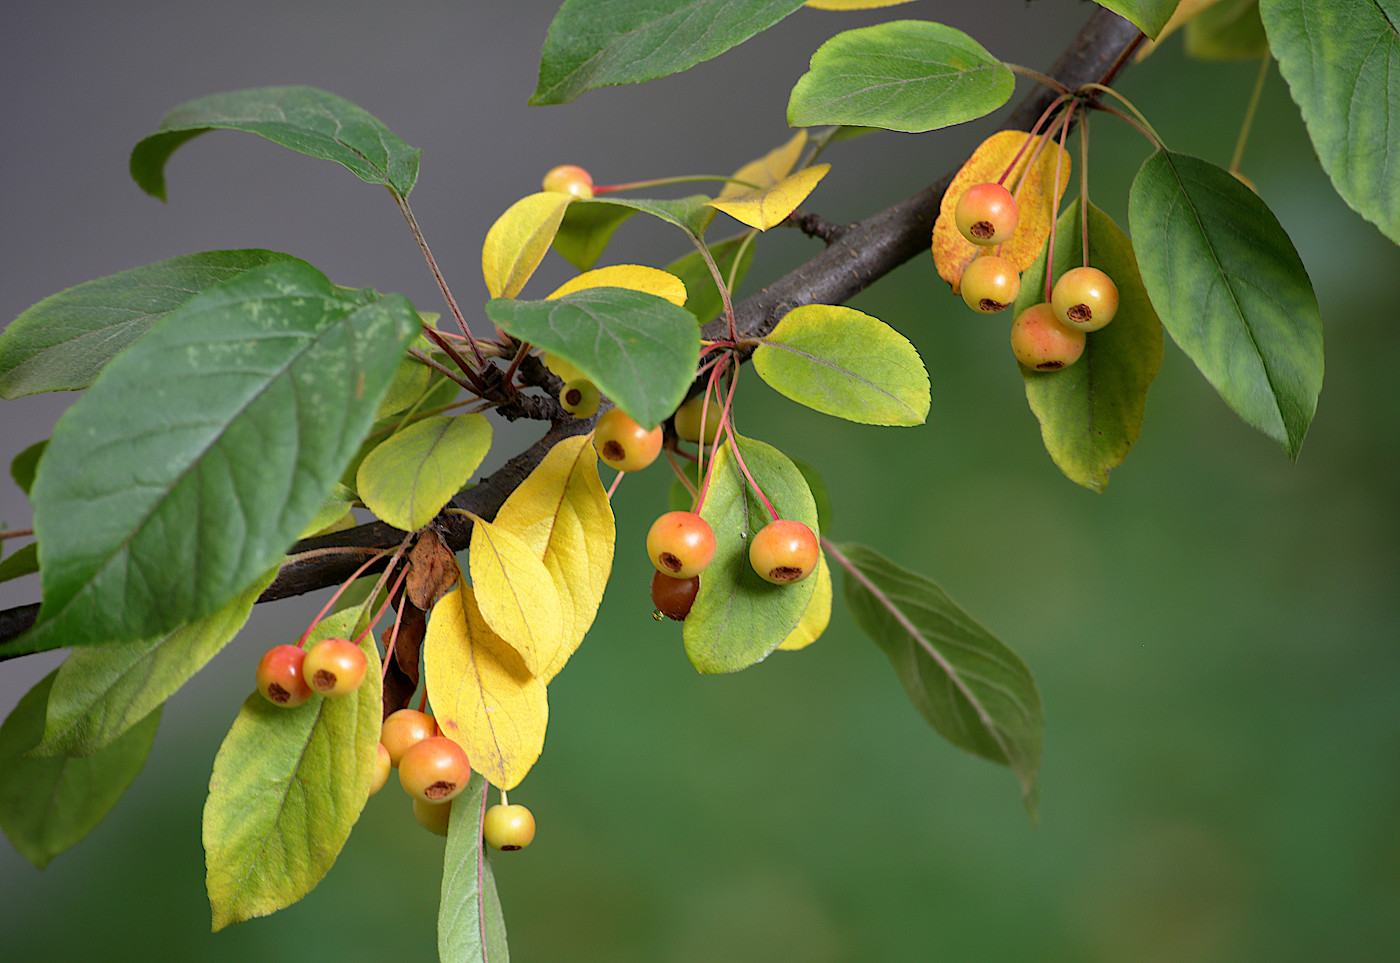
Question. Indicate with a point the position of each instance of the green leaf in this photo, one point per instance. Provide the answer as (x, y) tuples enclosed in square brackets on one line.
[(1149, 16), (907, 75), (586, 229), (333, 508), (1090, 412), (22, 562), (48, 804), (309, 121), (639, 349), (820, 495), (204, 450), (841, 362), (100, 693), (738, 618), (470, 925), (1228, 30), (1339, 59), (596, 43), (288, 786), (26, 463), (690, 214), (411, 475), (971, 688), (411, 380), (1231, 290), (64, 341), (703, 299)]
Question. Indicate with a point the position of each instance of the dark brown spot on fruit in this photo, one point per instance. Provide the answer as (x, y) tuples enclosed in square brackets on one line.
[(785, 573), (991, 305), (670, 561), (1080, 313), (509, 849), (573, 396), (982, 229), (613, 451), (1049, 365), (278, 694), (440, 789), (323, 679)]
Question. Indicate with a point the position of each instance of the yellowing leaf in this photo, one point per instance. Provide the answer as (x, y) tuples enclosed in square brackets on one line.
[(768, 169), (565, 370), (818, 614), (853, 4), (409, 476), (765, 208), (517, 242), (481, 693), (516, 594), (562, 512), (635, 277), (952, 252)]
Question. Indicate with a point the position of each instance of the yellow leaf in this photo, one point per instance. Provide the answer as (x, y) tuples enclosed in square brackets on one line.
[(516, 593), (768, 169), (817, 614), (952, 252), (762, 209), (562, 512), (635, 277), (517, 242), (1185, 11), (853, 4), (481, 693)]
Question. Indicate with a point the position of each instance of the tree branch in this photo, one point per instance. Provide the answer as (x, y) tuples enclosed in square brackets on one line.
[(857, 256)]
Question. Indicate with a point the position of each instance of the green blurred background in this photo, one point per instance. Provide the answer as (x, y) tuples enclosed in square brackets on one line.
[(1216, 638)]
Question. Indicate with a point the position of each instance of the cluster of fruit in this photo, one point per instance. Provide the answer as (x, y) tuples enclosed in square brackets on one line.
[(433, 769), (1048, 335)]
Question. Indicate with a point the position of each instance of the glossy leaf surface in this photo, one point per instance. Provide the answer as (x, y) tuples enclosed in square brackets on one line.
[(408, 478), (310, 121), (287, 787), (101, 692), (971, 688), (738, 618), (842, 362), (205, 449), (1339, 58), (908, 75), (64, 341), (471, 928), (594, 44), (49, 803), (562, 512), (1231, 291), (640, 350), (1091, 411)]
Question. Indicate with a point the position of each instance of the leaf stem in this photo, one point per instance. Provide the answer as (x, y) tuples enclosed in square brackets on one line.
[(1031, 137), (663, 181), (1055, 194), (1250, 111), (1141, 123), (437, 274), (724, 295), (1083, 187), (1037, 76)]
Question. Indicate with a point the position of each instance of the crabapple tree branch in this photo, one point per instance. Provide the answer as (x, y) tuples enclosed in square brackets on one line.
[(856, 256)]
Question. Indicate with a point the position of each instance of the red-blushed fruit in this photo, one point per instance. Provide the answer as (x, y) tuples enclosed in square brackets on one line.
[(680, 544), (404, 729), (784, 551), (381, 769), (986, 214), (623, 444), (569, 179), (434, 770), (434, 817), (334, 667), (687, 421), (1040, 341), (1085, 299), (508, 828), (990, 284), (280, 678), (579, 398), (673, 597)]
